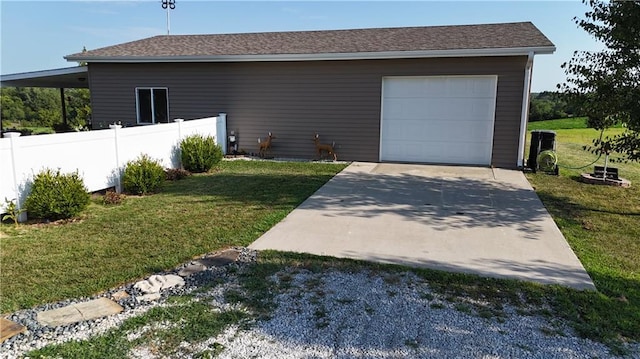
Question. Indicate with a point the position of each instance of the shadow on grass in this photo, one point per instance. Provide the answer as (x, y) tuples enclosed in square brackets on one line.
[(539, 271), (443, 203), (250, 189), (570, 205)]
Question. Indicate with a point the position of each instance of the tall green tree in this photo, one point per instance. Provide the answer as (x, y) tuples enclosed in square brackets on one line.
[(606, 84), (78, 107), (40, 107), (549, 105)]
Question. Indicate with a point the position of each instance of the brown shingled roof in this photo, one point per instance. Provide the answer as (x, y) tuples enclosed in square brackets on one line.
[(432, 38)]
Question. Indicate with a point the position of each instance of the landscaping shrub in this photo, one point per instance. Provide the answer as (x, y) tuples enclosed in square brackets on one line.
[(142, 176), (12, 212), (174, 174), (55, 195), (199, 153), (112, 198)]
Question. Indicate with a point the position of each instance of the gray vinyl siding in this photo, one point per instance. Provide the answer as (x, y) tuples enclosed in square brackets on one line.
[(340, 100)]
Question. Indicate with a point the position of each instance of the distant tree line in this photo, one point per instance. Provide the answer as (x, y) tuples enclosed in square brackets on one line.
[(28, 107), (549, 105)]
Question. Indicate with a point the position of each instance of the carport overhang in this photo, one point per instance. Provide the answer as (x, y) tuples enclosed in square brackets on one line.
[(69, 77)]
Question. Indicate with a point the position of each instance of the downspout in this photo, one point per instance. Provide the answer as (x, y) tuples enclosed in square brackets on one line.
[(524, 116)]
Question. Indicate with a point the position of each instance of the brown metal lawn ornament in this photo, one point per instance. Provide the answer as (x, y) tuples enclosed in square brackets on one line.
[(265, 146), (323, 147)]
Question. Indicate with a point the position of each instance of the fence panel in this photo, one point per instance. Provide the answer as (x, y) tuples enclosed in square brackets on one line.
[(98, 156)]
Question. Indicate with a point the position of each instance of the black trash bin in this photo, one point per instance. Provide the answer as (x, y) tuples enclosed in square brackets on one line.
[(541, 140)]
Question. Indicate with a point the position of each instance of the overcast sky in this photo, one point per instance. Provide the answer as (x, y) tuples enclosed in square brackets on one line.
[(35, 35)]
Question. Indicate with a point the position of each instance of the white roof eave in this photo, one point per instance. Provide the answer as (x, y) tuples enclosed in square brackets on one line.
[(520, 51), (44, 73)]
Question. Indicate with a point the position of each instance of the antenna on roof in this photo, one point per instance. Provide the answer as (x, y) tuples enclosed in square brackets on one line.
[(169, 5)]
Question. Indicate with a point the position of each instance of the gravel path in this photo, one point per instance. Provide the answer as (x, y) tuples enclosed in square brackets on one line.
[(336, 314), (365, 315)]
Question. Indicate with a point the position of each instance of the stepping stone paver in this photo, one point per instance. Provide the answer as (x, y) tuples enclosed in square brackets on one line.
[(79, 312), (221, 259), (9, 329), (191, 269)]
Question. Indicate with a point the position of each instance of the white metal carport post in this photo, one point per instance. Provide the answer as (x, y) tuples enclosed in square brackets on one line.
[(524, 116), (20, 196)]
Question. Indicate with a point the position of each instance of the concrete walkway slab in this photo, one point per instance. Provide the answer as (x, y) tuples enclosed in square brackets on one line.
[(464, 219)]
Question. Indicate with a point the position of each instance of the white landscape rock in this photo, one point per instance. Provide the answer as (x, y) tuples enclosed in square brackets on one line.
[(156, 283), (148, 297)]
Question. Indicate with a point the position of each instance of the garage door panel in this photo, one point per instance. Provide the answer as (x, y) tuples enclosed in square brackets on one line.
[(438, 119), (435, 109), (407, 151), (409, 88), (480, 87), (437, 131), (440, 87), (464, 109)]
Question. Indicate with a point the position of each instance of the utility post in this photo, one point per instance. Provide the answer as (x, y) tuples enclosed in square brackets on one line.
[(168, 5)]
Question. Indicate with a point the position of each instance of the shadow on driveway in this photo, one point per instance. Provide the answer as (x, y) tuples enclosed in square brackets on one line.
[(476, 220)]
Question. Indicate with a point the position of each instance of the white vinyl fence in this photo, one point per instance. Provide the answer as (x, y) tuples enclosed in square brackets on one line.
[(98, 156)]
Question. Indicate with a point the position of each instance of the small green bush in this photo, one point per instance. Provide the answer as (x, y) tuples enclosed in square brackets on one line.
[(55, 195), (142, 176), (199, 153)]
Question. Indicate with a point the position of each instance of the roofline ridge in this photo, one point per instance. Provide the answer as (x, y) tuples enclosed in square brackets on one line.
[(334, 30)]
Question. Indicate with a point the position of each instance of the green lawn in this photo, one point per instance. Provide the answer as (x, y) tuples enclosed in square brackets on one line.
[(561, 123), (564, 123), (572, 135), (111, 245), (602, 225)]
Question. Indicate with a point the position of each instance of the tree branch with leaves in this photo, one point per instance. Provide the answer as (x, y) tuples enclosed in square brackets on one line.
[(606, 84)]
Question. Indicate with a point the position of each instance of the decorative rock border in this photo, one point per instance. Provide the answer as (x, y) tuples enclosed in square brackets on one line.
[(30, 333), (590, 179)]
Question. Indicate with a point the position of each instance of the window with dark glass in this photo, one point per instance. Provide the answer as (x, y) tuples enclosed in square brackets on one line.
[(152, 104)]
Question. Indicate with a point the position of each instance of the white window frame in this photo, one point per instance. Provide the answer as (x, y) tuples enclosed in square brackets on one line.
[(153, 114)]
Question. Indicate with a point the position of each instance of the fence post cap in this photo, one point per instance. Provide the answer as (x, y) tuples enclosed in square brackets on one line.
[(11, 134), (178, 120)]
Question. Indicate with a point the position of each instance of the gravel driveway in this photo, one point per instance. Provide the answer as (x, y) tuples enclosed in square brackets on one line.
[(354, 313), (366, 315)]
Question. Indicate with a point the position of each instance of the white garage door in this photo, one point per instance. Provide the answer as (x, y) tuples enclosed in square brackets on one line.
[(444, 119)]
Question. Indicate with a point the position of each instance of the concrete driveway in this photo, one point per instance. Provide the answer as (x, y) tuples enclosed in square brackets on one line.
[(463, 219)]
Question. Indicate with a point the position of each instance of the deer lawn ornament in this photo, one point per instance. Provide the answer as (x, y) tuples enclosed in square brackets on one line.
[(265, 146), (321, 147)]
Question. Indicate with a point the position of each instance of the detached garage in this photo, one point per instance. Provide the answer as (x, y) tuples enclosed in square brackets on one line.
[(442, 94)]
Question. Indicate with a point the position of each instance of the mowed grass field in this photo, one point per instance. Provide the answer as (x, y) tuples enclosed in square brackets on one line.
[(601, 223), (572, 135), (111, 245)]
